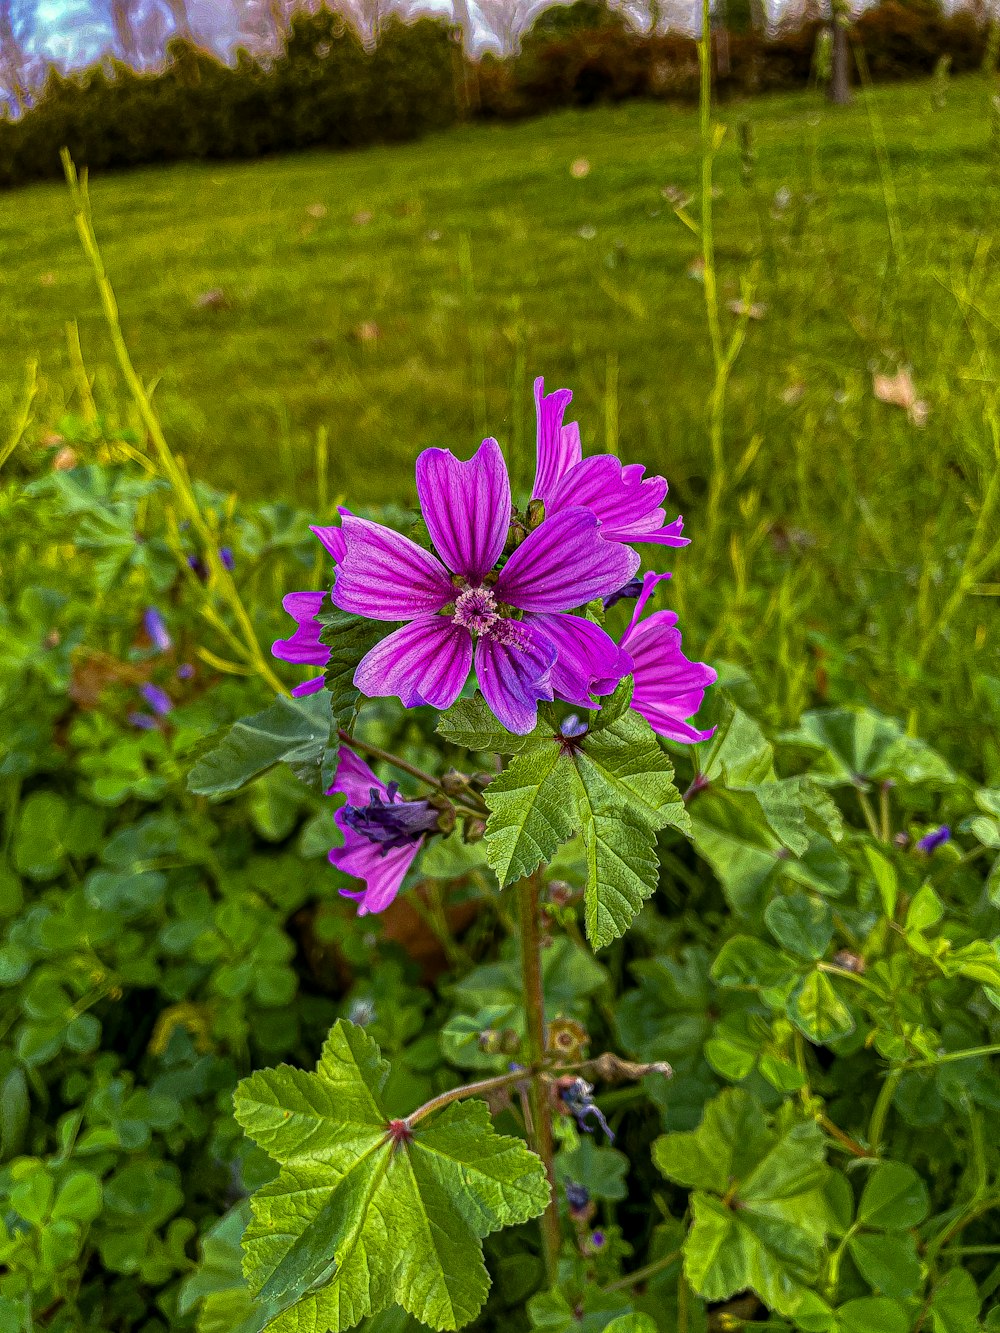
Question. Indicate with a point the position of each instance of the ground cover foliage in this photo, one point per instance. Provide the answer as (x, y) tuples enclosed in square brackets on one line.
[(800, 939)]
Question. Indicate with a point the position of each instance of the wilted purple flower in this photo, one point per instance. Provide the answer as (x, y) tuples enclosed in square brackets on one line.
[(459, 608), (157, 630), (628, 505), (936, 838), (668, 687), (382, 867), (578, 1098), (159, 701), (393, 822), (577, 1196)]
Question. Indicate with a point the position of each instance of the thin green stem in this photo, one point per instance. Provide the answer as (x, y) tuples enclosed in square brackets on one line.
[(631, 1280), (171, 466), (479, 1089), (880, 1113), (541, 1111), (868, 810), (949, 1057)]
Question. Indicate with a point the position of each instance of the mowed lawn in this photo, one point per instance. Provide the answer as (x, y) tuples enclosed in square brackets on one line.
[(406, 296)]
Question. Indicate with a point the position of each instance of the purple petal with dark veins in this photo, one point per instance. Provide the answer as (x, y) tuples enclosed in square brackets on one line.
[(466, 506), (669, 688), (589, 661), (425, 662), (385, 576), (514, 671), (557, 446), (382, 874), (303, 646), (627, 503), (563, 564)]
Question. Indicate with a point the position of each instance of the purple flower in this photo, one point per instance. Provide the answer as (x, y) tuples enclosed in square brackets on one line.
[(578, 1098), (304, 647), (577, 1196), (393, 822), (185, 671), (628, 505), (597, 1240), (936, 838), (159, 701), (382, 867), (573, 726), (143, 721), (157, 630), (628, 591), (227, 557), (460, 608), (668, 687)]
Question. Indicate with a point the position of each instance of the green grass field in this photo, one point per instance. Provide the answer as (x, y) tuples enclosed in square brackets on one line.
[(407, 296)]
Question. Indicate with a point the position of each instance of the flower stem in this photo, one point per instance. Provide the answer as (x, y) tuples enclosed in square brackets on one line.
[(466, 1090), (876, 1126), (631, 1280), (541, 1110)]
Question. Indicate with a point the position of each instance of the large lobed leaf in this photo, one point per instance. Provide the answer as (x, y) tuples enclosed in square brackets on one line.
[(357, 1219), (614, 784), (290, 731)]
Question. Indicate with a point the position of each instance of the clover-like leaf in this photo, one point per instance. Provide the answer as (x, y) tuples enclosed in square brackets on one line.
[(758, 1207), (366, 1212)]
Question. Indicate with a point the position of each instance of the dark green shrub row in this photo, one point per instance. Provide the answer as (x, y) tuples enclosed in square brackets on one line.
[(330, 90)]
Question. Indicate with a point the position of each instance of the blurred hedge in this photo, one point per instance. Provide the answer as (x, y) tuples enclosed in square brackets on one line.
[(327, 89)]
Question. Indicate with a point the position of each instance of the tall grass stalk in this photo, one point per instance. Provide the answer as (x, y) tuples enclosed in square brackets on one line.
[(220, 580), (23, 419)]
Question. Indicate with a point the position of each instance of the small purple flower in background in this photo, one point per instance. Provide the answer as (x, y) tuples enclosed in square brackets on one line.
[(597, 1239), (669, 688), (156, 629), (227, 557), (143, 721), (572, 726), (185, 671), (381, 863), (458, 608), (936, 838), (628, 506), (577, 1095), (578, 1198), (159, 701)]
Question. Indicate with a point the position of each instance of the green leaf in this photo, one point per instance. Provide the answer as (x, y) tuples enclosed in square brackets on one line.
[(531, 811), (955, 1304), (818, 1011), (348, 638), (358, 1219), (860, 745), (631, 1323), (625, 795), (765, 1232), (738, 753), (888, 1263), (291, 731), (886, 879), (801, 924), (602, 1170), (894, 1198), (747, 961), (872, 1314), (925, 911), (471, 724)]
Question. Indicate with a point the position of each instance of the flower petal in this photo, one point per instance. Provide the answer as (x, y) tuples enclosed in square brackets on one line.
[(383, 875), (333, 540), (312, 686), (589, 661), (627, 503), (466, 506), (514, 671), (303, 646), (354, 779), (563, 564), (669, 688), (425, 662), (385, 576), (558, 447)]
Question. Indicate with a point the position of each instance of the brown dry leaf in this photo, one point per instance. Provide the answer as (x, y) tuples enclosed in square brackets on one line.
[(579, 168), (93, 672), (751, 309), (899, 391), (362, 217), (366, 332), (317, 210), (65, 460)]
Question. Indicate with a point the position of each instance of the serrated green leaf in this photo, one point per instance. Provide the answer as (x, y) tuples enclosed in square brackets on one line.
[(356, 1218), (738, 753), (471, 724), (531, 811), (291, 731), (894, 1198)]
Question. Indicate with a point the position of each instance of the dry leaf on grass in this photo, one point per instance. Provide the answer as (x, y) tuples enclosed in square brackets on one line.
[(899, 391)]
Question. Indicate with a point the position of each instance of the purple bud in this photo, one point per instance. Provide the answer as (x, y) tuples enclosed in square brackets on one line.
[(196, 563), (937, 838), (159, 701), (393, 823), (632, 589), (143, 721), (597, 1239), (572, 726), (227, 557), (577, 1196), (157, 630), (185, 671)]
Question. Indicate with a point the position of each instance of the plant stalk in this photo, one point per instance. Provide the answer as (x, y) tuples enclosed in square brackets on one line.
[(541, 1108)]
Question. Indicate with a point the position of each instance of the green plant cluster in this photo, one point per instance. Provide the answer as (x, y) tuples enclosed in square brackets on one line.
[(826, 992), (329, 90)]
